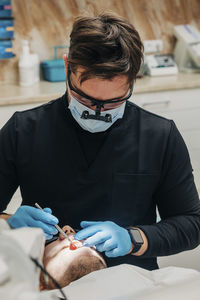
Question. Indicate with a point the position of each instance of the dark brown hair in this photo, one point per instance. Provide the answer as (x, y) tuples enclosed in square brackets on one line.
[(106, 46)]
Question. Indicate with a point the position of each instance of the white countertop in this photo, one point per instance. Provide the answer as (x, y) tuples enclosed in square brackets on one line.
[(13, 94)]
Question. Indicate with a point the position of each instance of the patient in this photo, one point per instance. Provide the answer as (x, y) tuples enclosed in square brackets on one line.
[(66, 265)]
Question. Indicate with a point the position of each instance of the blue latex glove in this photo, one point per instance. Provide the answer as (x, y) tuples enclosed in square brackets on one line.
[(106, 236), (28, 216)]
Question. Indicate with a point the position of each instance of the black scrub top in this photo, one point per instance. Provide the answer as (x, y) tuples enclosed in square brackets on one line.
[(120, 175)]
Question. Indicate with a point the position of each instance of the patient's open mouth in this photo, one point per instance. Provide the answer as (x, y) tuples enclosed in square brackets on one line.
[(74, 245)]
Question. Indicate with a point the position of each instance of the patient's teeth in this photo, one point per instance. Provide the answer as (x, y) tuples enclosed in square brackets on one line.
[(78, 244)]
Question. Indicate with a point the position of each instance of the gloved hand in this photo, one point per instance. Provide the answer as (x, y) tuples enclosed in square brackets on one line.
[(28, 216), (106, 236)]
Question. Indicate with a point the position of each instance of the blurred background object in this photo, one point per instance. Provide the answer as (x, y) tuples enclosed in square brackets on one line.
[(28, 66), (6, 49), (187, 49), (54, 70), (6, 30), (161, 65), (5, 8)]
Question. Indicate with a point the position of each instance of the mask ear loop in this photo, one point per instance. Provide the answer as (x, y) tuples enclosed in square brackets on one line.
[(57, 285)]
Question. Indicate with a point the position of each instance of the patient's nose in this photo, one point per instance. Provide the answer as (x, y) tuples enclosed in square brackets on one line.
[(68, 230)]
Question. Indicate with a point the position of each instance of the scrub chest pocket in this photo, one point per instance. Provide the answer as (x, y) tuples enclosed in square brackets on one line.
[(132, 196)]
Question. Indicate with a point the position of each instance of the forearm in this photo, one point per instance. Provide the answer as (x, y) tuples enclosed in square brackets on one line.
[(172, 235)]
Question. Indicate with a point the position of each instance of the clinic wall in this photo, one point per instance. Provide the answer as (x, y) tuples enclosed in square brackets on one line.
[(48, 22)]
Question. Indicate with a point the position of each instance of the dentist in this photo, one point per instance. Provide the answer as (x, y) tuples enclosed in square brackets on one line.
[(100, 162)]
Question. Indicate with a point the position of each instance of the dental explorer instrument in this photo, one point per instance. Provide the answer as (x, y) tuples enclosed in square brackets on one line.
[(58, 227)]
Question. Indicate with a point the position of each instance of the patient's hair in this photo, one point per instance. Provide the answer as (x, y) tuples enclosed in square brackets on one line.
[(79, 268)]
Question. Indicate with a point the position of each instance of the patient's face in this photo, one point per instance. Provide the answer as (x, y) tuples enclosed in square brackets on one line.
[(66, 265)]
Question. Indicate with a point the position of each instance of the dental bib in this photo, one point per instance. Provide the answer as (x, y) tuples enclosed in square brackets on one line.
[(19, 277)]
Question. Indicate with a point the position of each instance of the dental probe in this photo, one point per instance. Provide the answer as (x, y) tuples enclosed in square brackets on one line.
[(58, 227)]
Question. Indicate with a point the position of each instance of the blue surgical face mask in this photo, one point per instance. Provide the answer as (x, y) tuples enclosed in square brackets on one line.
[(90, 125)]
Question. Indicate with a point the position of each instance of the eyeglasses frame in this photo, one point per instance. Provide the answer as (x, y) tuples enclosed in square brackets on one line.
[(94, 101)]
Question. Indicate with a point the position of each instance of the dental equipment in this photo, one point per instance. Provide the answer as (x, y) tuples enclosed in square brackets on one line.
[(187, 49), (58, 227)]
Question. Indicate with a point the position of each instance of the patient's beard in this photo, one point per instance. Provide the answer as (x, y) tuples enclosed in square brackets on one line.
[(82, 266)]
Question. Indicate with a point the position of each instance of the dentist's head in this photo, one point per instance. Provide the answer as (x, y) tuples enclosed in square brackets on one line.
[(104, 58)]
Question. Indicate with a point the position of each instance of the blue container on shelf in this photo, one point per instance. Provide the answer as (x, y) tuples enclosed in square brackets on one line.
[(5, 8), (6, 28), (54, 70), (6, 50)]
